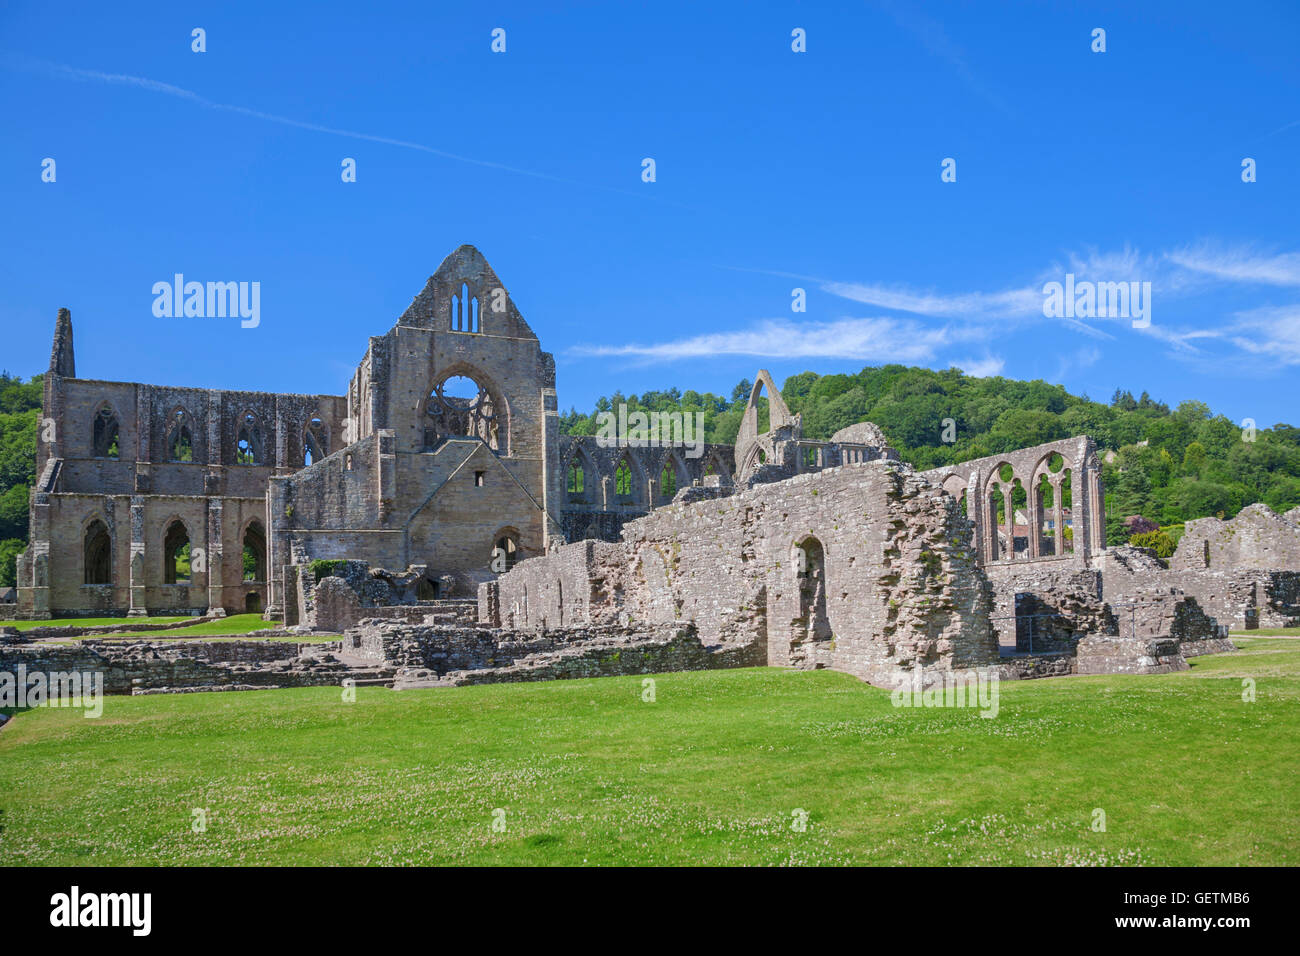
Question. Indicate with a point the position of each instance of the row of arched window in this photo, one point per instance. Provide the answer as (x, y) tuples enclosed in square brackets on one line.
[(625, 491), (177, 566), (250, 446)]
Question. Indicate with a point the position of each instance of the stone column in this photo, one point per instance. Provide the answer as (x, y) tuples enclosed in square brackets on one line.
[(1098, 496), (1008, 504), (138, 553), (216, 596), (277, 549), (975, 512), (1034, 505), (1058, 515)]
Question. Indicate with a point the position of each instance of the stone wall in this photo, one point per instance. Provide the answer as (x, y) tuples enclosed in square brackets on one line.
[(865, 568), (1255, 538), (433, 655), (135, 667), (1040, 607)]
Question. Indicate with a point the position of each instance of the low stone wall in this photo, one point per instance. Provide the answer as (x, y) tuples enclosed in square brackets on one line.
[(1109, 654), (447, 655), (1241, 599), (134, 667), (1034, 666)]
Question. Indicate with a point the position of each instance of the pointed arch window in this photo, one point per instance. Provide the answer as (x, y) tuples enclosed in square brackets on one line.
[(105, 438), (248, 444), (668, 480), (623, 479), (464, 311), (576, 480), (180, 439), (315, 442)]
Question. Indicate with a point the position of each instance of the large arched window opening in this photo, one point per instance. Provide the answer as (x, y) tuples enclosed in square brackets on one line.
[(176, 554), (462, 407), (254, 552), (98, 554), (106, 433)]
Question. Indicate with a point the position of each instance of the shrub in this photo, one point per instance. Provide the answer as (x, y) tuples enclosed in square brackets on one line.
[(1158, 541)]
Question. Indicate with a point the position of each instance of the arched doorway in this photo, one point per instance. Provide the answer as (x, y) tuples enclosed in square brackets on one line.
[(176, 554), (98, 554), (812, 622)]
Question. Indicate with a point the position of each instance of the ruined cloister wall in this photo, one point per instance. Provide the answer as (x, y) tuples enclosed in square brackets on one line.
[(977, 480), (896, 569)]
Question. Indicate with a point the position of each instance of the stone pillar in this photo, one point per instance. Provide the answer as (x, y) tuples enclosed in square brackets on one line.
[(1098, 496), (1058, 514), (1034, 505), (553, 469), (1009, 507), (216, 594), (976, 515), (138, 553), (277, 549)]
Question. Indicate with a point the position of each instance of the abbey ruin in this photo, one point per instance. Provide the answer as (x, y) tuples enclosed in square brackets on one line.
[(436, 519)]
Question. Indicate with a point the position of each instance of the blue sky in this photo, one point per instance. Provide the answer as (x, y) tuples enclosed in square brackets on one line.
[(775, 170)]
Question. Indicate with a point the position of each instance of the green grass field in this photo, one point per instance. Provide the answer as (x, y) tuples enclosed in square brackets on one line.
[(233, 625), (89, 622), (713, 771)]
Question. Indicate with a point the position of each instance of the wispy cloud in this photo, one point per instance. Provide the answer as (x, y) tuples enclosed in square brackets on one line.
[(168, 89), (1011, 302), (1240, 264), (859, 339), (1273, 332), (932, 320)]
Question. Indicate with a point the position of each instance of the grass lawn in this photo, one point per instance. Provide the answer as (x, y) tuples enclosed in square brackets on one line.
[(713, 771), (234, 624), (89, 622), (1269, 632)]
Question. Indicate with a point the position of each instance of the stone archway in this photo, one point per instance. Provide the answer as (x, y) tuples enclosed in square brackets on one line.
[(811, 623)]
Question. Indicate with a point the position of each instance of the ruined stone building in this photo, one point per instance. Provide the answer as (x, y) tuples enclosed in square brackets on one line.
[(443, 453), (441, 474)]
